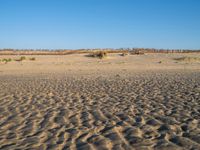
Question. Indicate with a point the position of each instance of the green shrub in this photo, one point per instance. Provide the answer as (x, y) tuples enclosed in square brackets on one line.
[(6, 60)]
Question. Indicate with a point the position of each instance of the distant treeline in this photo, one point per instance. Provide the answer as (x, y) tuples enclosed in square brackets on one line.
[(80, 51)]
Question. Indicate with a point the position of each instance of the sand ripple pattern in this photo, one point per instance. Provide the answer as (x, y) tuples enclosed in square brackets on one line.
[(143, 111)]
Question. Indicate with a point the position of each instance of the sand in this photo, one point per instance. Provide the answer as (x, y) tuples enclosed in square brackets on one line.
[(77, 102)]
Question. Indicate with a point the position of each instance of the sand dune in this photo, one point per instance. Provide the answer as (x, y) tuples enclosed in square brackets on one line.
[(98, 108)]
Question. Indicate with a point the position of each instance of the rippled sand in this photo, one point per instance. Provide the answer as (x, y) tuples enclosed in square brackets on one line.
[(100, 109)]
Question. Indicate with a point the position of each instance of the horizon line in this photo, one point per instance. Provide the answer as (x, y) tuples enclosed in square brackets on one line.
[(122, 48)]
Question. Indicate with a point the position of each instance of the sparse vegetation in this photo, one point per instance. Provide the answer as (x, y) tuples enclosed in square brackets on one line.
[(6, 60), (188, 59), (137, 52), (21, 58), (124, 54), (99, 54)]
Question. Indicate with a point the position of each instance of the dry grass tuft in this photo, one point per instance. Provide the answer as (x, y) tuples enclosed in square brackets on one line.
[(99, 54), (32, 58)]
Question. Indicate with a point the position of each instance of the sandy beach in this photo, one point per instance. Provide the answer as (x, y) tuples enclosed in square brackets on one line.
[(149, 101)]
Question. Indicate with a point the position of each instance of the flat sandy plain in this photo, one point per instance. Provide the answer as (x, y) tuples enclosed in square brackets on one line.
[(79, 102)]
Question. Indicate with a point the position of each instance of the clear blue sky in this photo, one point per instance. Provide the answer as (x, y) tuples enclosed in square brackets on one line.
[(100, 24)]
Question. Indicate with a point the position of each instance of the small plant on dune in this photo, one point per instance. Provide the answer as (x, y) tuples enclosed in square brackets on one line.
[(21, 58), (100, 54), (32, 58)]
